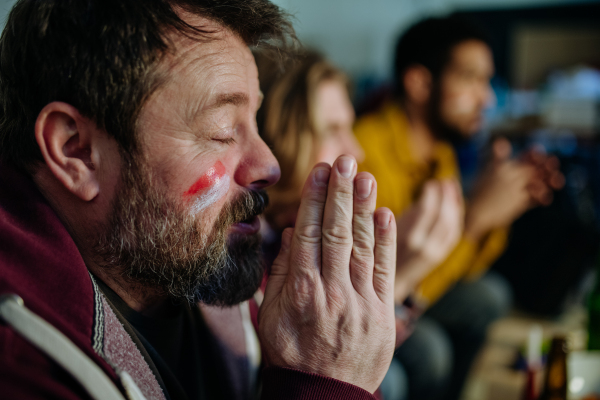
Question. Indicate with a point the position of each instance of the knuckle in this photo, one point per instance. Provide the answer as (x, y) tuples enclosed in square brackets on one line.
[(337, 298), (315, 197), (305, 298), (363, 230), (314, 202), (362, 252), (342, 194), (339, 235), (363, 213), (387, 239), (308, 233)]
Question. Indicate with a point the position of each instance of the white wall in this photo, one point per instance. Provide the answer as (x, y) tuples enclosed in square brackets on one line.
[(359, 35), (5, 6)]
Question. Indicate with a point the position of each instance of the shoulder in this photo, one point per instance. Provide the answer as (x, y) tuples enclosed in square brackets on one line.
[(372, 124), (27, 373), (447, 160)]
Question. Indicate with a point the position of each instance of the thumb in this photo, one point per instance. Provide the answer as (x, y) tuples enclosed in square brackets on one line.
[(280, 267)]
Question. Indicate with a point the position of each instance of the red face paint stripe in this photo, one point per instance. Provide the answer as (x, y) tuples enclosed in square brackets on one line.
[(207, 180)]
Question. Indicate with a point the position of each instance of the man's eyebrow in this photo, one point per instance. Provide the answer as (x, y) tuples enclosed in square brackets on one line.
[(235, 99)]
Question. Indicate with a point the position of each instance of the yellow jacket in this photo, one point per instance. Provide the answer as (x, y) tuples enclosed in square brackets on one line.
[(384, 138)]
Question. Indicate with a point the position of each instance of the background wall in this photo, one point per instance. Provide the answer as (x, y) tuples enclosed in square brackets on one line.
[(359, 35)]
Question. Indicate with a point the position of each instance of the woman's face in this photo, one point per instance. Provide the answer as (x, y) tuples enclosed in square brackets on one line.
[(334, 118)]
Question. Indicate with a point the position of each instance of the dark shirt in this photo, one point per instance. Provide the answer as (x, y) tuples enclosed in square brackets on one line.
[(174, 345)]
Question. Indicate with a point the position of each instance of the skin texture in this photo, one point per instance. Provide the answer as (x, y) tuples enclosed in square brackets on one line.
[(334, 118), (507, 187), (329, 306), (465, 86)]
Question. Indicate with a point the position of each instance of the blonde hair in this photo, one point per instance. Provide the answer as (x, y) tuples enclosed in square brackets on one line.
[(287, 121)]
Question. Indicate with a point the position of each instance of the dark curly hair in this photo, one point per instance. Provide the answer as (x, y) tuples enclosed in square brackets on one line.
[(430, 43), (101, 57)]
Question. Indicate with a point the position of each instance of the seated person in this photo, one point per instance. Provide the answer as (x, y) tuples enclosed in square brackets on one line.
[(307, 118), (131, 180), (442, 70)]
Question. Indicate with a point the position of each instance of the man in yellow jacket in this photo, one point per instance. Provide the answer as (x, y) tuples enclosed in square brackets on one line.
[(443, 68)]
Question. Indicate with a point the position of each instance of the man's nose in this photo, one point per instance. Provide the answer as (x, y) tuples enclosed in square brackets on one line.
[(258, 168)]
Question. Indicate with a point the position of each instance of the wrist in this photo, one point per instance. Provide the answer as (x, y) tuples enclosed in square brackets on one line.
[(475, 227)]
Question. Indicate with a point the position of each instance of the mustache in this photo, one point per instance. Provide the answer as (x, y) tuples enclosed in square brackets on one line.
[(245, 206)]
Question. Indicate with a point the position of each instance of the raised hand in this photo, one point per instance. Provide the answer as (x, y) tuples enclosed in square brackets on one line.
[(546, 178), (329, 302), (427, 233), (504, 191)]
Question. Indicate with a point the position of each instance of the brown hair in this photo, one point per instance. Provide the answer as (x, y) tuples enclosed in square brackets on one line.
[(286, 121), (101, 57)]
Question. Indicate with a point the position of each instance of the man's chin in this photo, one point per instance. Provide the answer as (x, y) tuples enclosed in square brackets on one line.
[(239, 274)]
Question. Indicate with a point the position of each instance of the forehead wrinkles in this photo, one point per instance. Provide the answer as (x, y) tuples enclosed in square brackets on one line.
[(199, 67), (222, 53)]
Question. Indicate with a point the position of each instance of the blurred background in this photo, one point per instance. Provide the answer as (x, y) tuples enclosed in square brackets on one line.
[(547, 87), (547, 94)]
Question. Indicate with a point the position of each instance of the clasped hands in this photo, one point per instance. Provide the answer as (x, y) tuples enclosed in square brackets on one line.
[(329, 302), (508, 187)]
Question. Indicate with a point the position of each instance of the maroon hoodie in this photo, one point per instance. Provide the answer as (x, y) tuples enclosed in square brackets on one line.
[(40, 263)]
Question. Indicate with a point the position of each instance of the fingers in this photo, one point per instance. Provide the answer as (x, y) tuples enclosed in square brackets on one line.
[(337, 238), (446, 230), (501, 149), (385, 255), (428, 209), (280, 267), (554, 178), (557, 181), (362, 259), (548, 168), (457, 193), (305, 251), (281, 263)]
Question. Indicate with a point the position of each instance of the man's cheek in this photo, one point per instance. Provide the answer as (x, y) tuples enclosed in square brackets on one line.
[(462, 104), (209, 189)]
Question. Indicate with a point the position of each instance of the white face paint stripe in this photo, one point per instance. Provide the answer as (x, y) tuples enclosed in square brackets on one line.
[(208, 198)]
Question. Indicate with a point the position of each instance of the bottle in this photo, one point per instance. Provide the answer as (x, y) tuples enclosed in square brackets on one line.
[(555, 384), (594, 314), (534, 362)]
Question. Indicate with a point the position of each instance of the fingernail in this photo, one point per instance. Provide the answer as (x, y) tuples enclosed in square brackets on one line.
[(321, 177), (383, 220), (364, 187), (346, 167)]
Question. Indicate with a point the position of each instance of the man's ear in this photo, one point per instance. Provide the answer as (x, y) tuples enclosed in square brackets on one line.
[(418, 84), (65, 140)]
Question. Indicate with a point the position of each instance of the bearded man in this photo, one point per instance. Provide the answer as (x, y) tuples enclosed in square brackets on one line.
[(443, 68), (131, 176)]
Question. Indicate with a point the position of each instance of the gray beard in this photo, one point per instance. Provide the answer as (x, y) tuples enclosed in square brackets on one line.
[(159, 248)]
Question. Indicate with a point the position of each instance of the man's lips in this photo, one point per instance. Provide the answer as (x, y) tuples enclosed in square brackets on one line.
[(250, 226)]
